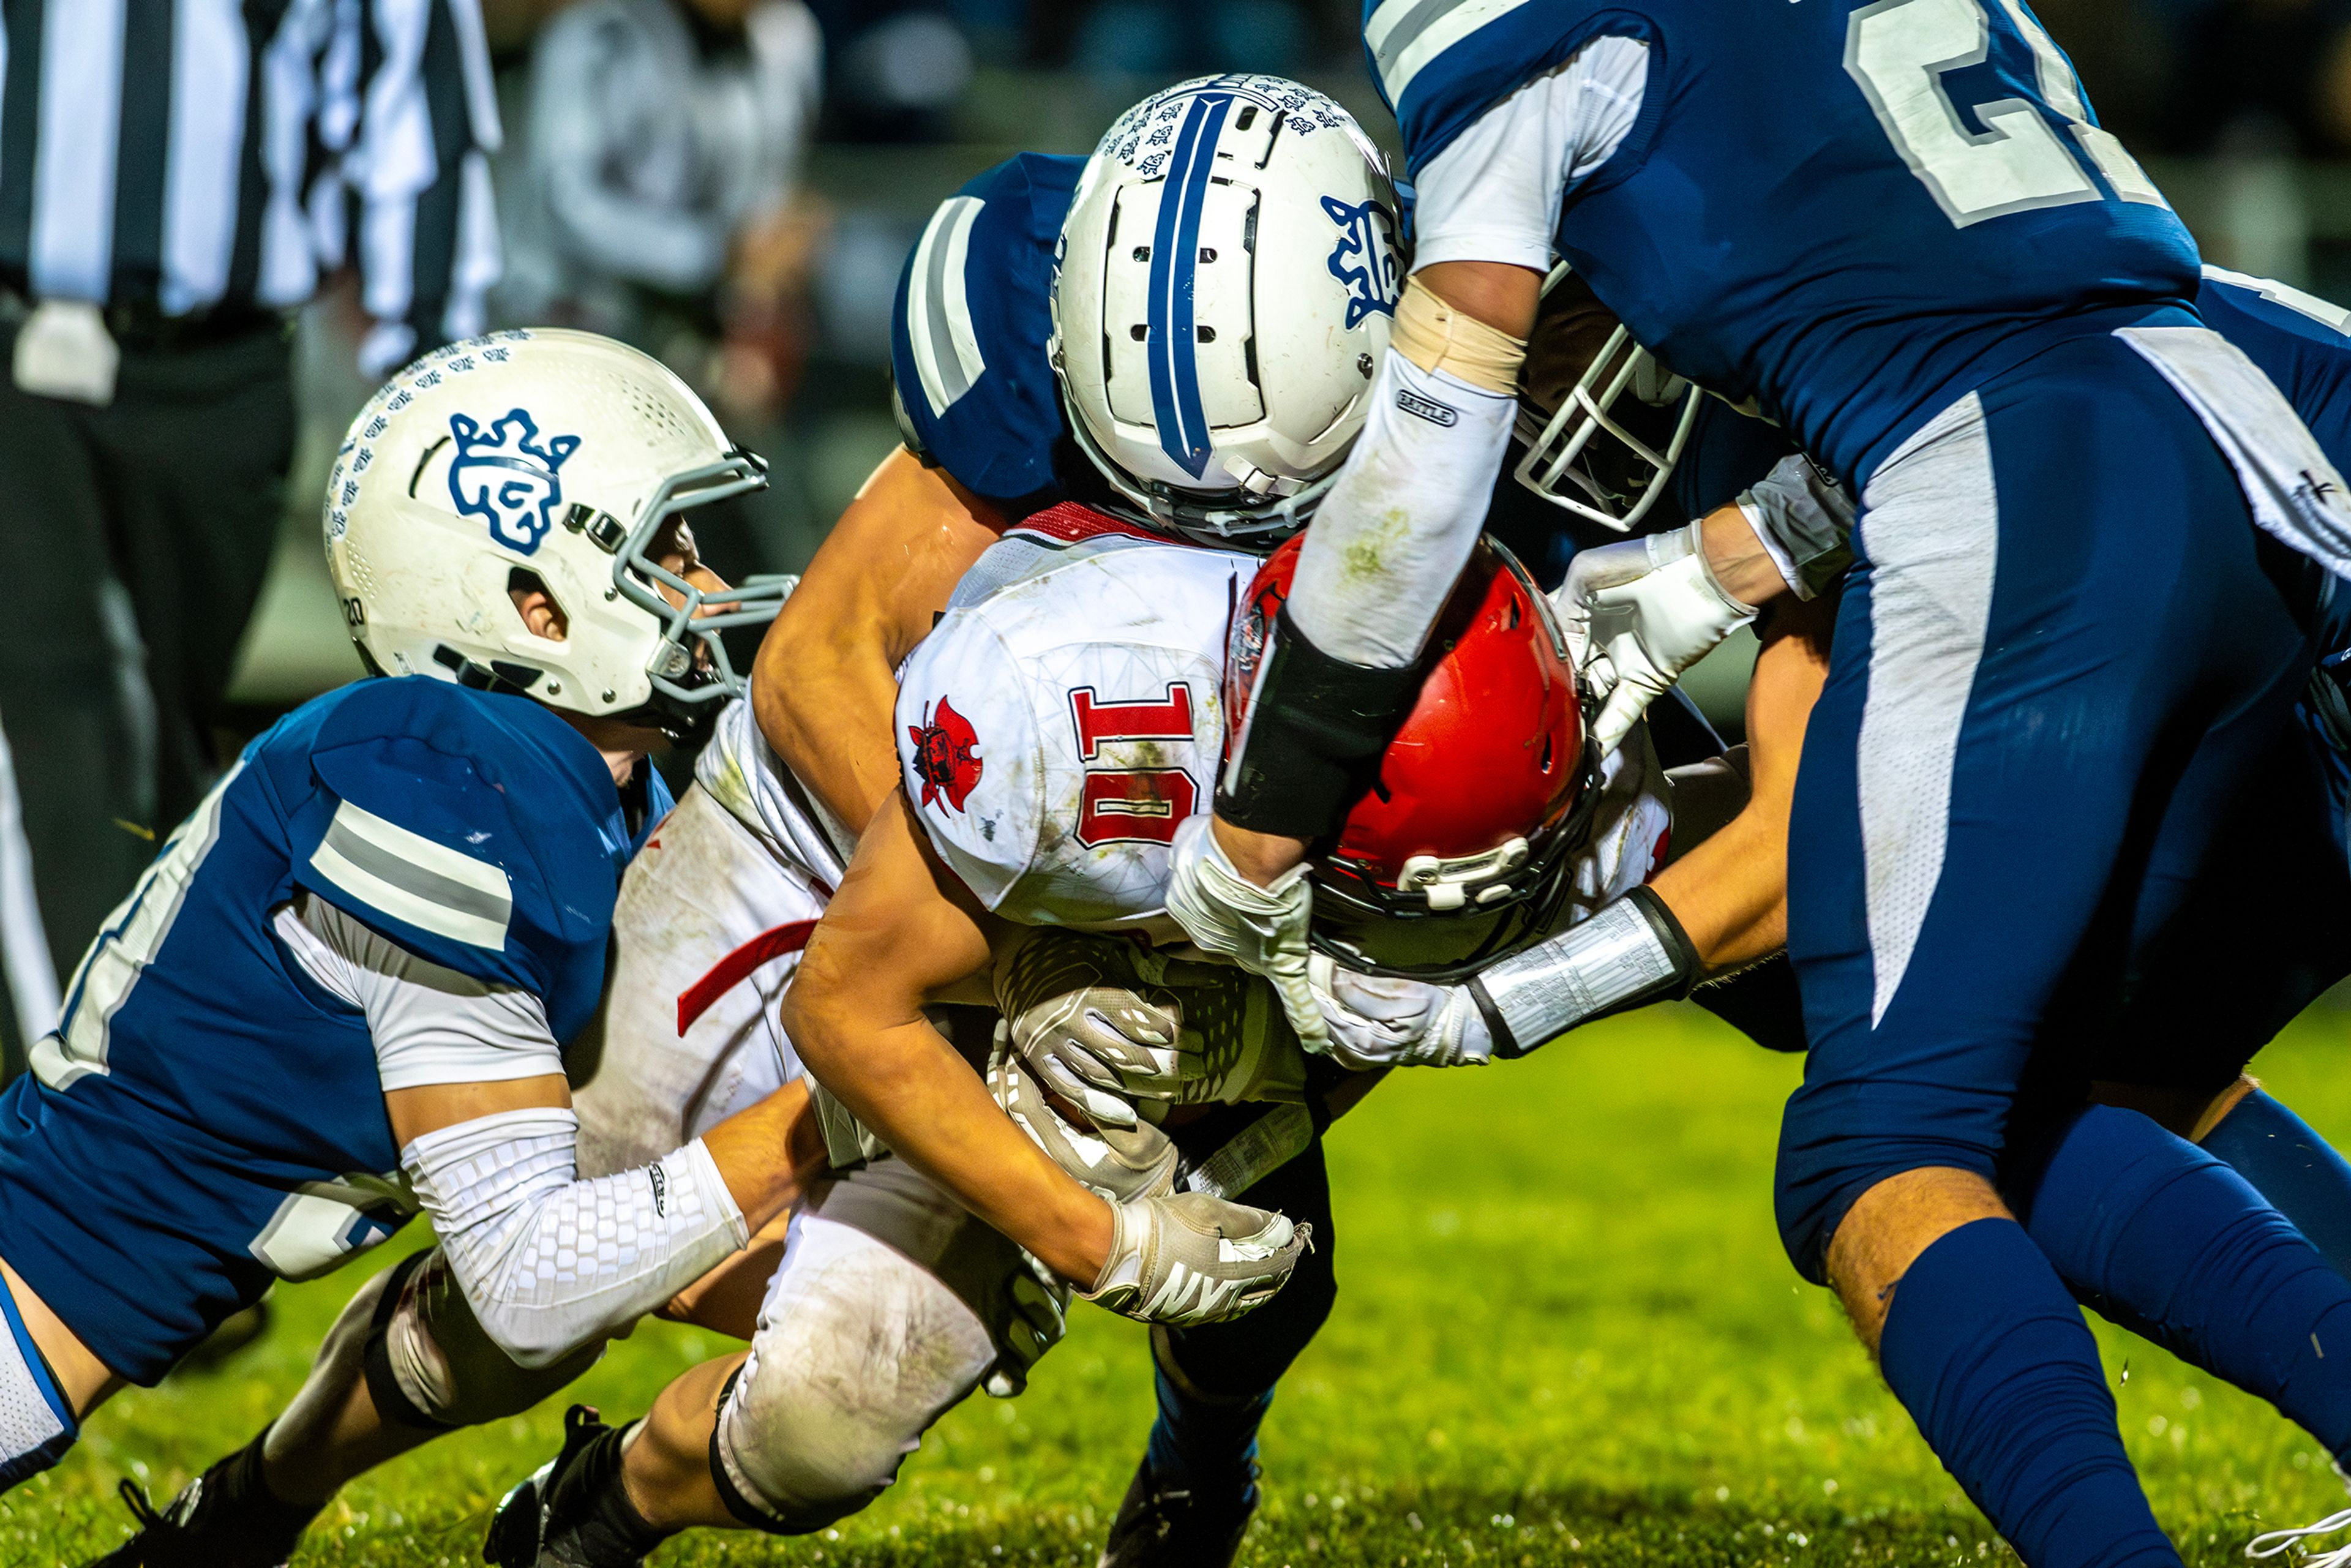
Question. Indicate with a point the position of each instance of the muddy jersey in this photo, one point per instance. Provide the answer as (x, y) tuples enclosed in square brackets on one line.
[(741, 772), (1066, 715)]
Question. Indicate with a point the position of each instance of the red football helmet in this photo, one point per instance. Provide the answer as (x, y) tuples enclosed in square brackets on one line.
[(1459, 853)]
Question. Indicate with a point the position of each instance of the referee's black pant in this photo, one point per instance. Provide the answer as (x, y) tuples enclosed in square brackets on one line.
[(133, 540)]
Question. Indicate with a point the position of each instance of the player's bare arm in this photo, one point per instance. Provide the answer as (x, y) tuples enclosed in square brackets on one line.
[(896, 935), (1730, 892), (827, 673)]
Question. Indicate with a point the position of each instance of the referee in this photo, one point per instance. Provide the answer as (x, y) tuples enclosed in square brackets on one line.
[(175, 175)]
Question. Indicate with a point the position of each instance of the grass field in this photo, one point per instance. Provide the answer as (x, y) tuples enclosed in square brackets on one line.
[(1566, 1334)]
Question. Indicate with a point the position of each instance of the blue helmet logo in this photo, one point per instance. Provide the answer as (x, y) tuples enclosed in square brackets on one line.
[(1364, 257), (507, 477)]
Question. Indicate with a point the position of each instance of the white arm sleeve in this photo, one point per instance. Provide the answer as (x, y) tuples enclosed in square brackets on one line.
[(1399, 524), (430, 1024), (1494, 193), (549, 1262)]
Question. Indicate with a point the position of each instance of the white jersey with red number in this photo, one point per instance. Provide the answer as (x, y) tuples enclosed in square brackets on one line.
[(1066, 715)]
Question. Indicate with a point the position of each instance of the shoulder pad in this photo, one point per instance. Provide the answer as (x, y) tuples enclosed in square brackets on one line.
[(1440, 64), (1054, 735), (480, 832), (971, 334)]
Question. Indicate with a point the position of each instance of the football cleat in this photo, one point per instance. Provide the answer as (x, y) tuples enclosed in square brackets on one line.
[(1171, 1527), (535, 1524), (2278, 1543), (216, 1521)]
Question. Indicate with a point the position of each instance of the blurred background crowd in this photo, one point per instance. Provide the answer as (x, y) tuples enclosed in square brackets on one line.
[(730, 185)]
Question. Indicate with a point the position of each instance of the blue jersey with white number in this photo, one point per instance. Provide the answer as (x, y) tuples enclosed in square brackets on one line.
[(1852, 213), (970, 338), (207, 1117)]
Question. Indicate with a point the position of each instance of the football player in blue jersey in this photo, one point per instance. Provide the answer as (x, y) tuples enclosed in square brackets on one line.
[(339, 996), (2270, 911), (1897, 228)]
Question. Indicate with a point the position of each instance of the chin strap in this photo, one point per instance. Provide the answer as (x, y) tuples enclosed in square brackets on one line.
[(1630, 953)]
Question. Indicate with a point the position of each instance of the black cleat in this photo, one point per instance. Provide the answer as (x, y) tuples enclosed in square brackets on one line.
[(559, 1516), (1169, 1527), (223, 1519)]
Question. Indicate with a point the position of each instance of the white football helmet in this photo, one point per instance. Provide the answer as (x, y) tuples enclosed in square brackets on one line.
[(548, 454), (1228, 276), (1615, 483)]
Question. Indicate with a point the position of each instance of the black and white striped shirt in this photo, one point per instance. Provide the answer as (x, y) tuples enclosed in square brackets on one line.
[(182, 156)]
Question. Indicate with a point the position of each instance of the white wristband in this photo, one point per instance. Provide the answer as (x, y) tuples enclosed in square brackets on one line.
[(1615, 957)]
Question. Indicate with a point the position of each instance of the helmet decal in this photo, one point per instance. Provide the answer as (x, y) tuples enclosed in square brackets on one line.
[(507, 477), (1175, 256), (947, 755), (1364, 257)]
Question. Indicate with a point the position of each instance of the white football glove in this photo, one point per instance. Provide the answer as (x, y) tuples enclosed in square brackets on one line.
[(1262, 929), (1383, 1020), (1638, 615), (1118, 1164), (1103, 1048), (1191, 1259)]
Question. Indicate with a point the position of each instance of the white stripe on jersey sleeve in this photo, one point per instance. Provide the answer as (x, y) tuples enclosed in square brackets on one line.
[(946, 350), (2325, 312), (409, 877), (1405, 34)]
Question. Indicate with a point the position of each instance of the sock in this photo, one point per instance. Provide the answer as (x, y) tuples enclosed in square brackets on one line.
[(1202, 1443), (235, 1509), (1990, 1356), (590, 1509), (2304, 1179), (2163, 1238)]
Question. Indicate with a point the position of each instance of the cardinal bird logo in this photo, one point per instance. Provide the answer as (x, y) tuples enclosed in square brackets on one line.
[(947, 755)]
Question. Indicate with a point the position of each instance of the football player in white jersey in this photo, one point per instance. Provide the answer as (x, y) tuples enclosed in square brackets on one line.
[(826, 680), (708, 926)]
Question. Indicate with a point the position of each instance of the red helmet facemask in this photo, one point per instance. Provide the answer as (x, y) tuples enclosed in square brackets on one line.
[(1460, 853)]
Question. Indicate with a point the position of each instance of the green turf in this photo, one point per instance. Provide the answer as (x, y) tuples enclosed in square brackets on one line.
[(1565, 1334)]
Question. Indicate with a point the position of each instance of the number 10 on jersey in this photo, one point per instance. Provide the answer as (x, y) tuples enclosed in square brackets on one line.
[(1133, 804)]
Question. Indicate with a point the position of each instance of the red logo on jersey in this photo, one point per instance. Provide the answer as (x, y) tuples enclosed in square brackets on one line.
[(947, 755)]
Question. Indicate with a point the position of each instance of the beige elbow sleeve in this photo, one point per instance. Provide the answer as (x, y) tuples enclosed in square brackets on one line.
[(1436, 336)]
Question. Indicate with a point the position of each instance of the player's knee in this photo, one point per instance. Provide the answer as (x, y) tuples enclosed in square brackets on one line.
[(791, 1455), (858, 1351), (431, 1364)]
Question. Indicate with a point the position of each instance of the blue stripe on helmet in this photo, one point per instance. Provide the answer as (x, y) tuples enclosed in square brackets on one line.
[(1175, 260)]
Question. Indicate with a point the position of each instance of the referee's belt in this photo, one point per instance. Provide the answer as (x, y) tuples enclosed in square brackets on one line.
[(141, 326)]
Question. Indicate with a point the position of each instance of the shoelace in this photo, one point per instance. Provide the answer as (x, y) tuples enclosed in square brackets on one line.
[(134, 1498), (2272, 1544)]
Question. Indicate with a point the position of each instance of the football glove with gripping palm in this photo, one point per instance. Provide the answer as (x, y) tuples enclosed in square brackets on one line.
[(1191, 1259)]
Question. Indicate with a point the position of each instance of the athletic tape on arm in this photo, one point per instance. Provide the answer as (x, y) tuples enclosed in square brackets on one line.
[(1437, 336), (548, 1261)]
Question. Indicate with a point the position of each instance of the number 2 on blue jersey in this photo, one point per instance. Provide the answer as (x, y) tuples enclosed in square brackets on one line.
[(1898, 51)]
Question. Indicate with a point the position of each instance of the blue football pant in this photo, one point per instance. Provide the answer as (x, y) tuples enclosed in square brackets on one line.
[(2064, 651)]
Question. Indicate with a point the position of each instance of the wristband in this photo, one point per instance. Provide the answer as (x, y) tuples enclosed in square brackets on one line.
[(1633, 951), (1312, 744)]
